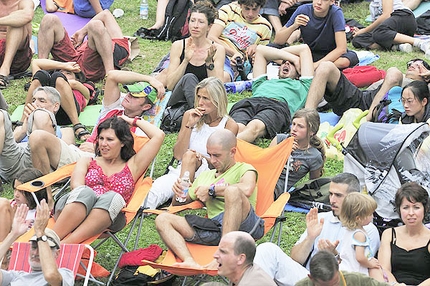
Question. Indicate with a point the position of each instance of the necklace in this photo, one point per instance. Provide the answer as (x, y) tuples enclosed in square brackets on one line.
[(216, 119)]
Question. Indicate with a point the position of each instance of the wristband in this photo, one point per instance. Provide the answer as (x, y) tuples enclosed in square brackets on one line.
[(135, 121), (189, 127)]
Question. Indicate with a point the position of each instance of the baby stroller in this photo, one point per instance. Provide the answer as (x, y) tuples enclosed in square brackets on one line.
[(384, 156)]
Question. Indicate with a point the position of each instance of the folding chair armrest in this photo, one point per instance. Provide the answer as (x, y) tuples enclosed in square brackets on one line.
[(48, 180), (175, 209)]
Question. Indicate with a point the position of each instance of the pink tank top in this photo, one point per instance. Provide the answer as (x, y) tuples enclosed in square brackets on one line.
[(121, 182)]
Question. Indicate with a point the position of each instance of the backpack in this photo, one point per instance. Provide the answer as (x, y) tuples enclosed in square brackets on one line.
[(390, 108), (176, 21), (312, 194), (172, 117)]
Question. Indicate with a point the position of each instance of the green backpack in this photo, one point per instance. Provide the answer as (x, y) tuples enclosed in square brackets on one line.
[(312, 194)]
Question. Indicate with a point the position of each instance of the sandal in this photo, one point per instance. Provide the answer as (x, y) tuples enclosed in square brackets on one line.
[(83, 134), (4, 81)]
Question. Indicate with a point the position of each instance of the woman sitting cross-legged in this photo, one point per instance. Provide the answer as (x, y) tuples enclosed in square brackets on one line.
[(103, 185)]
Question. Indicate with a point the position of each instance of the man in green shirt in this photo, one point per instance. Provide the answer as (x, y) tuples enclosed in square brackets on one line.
[(324, 271), (229, 192)]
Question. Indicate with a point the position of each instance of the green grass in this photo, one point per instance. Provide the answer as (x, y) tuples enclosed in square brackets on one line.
[(151, 53)]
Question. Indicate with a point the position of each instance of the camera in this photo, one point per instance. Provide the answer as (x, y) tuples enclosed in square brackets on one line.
[(239, 64)]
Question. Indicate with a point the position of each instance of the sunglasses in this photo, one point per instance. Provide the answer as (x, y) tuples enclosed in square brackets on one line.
[(419, 61), (34, 245)]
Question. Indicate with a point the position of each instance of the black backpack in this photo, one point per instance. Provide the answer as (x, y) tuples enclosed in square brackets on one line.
[(312, 194), (176, 21)]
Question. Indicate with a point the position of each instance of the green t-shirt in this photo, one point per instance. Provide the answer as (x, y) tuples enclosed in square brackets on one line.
[(232, 176), (292, 91), (351, 278)]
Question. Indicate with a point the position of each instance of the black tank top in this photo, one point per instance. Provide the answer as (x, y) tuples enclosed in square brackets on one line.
[(410, 267), (199, 71)]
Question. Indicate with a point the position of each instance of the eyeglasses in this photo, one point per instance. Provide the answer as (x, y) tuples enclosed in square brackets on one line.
[(418, 61), (407, 100)]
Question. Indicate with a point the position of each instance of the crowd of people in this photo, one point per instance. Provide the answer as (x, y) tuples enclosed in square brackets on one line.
[(338, 247)]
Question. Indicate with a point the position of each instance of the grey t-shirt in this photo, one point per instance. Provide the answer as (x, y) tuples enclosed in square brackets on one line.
[(21, 278)]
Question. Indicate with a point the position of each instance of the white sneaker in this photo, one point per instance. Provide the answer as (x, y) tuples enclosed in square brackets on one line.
[(424, 46), (406, 48)]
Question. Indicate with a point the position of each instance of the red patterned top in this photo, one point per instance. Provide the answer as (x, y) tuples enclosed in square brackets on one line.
[(121, 182)]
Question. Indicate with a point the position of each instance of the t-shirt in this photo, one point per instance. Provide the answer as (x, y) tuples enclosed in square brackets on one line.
[(254, 275), (375, 8), (291, 91), (319, 33), (351, 278), (231, 176), (333, 230), (303, 161), (348, 255), (21, 278), (239, 34)]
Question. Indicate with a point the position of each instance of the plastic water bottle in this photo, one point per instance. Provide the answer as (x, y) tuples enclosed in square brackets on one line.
[(185, 183), (144, 9)]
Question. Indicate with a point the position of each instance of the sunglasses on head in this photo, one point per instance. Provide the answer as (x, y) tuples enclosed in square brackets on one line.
[(420, 61)]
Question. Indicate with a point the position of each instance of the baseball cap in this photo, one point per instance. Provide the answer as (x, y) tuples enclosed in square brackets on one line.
[(142, 89), (53, 239)]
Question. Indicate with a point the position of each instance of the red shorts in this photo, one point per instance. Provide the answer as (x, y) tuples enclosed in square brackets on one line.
[(80, 99), (22, 59), (89, 60)]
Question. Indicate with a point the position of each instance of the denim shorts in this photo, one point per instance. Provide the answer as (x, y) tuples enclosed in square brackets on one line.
[(253, 224)]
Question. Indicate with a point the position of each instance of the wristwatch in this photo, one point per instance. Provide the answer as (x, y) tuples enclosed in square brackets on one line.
[(43, 238), (210, 66), (211, 191)]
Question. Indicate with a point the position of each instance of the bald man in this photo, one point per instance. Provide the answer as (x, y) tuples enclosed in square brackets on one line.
[(235, 257), (229, 192)]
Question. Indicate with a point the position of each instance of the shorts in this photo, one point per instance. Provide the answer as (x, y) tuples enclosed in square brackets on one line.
[(22, 59), (70, 154), (270, 8), (346, 95), (400, 21), (111, 201), (350, 55), (253, 225), (274, 114), (15, 156), (89, 60)]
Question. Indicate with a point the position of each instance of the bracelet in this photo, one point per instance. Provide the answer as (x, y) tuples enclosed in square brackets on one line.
[(135, 120), (192, 127)]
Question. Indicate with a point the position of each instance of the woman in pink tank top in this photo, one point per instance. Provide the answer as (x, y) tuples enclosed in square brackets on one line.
[(103, 185)]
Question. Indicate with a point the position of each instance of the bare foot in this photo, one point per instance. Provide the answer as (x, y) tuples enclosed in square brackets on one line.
[(213, 265), (190, 263)]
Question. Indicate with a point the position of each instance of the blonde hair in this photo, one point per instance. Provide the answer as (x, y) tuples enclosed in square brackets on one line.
[(355, 207), (217, 95)]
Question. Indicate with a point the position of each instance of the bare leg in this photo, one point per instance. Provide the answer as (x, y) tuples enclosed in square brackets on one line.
[(69, 219), (401, 39), (42, 121), (50, 6), (67, 99), (51, 31), (159, 16), (15, 39), (101, 30), (253, 130), (6, 215), (326, 76), (2, 132), (411, 4), (190, 163), (342, 63), (393, 77), (237, 207), (95, 223), (45, 150), (173, 229)]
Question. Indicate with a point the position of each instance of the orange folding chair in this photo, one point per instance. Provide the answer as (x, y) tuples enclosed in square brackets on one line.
[(269, 163), (132, 211), (69, 257)]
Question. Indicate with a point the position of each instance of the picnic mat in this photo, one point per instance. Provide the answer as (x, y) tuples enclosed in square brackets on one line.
[(421, 9), (71, 22)]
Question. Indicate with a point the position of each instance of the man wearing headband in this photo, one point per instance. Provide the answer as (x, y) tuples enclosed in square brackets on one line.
[(268, 111), (142, 90), (45, 246), (332, 85)]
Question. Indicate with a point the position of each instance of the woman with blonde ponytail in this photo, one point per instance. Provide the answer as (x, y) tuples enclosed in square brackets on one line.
[(308, 154)]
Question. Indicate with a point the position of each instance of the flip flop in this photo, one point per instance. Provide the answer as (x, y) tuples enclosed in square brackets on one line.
[(80, 135), (4, 81)]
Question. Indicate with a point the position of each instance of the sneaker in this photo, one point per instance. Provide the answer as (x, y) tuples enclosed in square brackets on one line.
[(424, 46), (406, 48)]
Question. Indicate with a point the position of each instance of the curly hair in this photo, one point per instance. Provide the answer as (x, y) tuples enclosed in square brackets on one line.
[(205, 7)]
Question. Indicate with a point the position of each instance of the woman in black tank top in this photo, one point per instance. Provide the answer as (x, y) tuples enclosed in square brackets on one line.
[(404, 255), (195, 58)]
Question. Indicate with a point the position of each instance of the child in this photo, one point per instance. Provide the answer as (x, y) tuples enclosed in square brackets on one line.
[(356, 256), (322, 27), (308, 154)]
